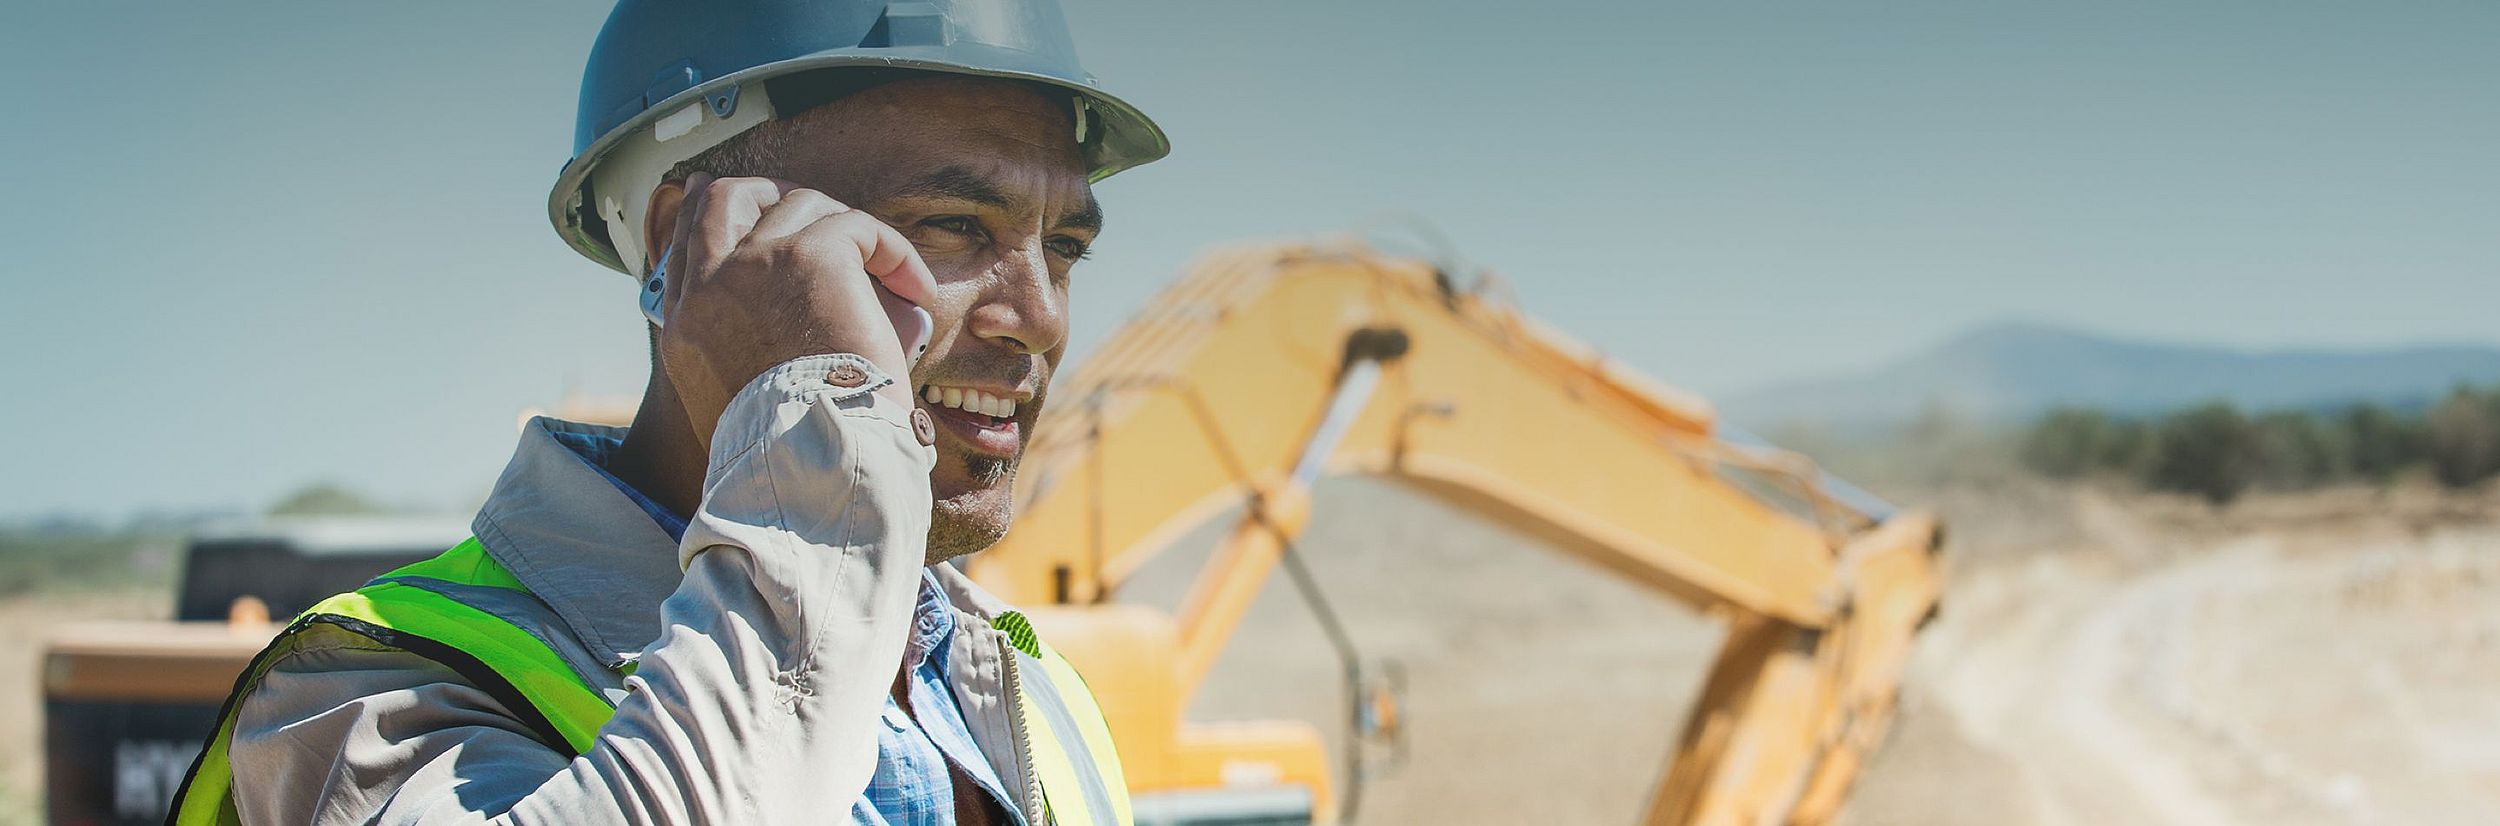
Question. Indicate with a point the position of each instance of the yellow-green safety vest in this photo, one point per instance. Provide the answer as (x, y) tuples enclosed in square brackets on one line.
[(1070, 749)]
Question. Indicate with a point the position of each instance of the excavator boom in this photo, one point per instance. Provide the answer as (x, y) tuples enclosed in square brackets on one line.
[(1271, 367)]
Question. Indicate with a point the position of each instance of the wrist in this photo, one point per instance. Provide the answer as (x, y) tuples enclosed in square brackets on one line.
[(850, 383)]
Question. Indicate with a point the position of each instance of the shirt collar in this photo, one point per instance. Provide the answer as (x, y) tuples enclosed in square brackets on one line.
[(595, 450), (932, 623)]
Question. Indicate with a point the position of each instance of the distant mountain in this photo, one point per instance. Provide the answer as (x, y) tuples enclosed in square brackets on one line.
[(2015, 371)]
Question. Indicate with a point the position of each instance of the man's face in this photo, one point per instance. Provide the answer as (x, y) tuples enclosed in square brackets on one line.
[(985, 178)]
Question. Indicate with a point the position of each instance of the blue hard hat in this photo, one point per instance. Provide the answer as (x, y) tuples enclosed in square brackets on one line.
[(666, 68)]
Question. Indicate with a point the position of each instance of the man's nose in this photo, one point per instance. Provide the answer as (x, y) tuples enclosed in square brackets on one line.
[(1022, 307)]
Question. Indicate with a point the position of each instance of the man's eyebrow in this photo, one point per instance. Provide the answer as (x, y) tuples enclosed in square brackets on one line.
[(964, 184), (1087, 218), (958, 183)]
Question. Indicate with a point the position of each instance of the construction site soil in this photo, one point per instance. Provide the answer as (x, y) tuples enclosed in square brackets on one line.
[(2101, 658)]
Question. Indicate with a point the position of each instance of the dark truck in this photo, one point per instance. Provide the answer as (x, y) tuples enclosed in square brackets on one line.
[(127, 705)]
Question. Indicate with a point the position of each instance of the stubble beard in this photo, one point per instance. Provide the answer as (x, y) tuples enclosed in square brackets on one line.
[(978, 518)]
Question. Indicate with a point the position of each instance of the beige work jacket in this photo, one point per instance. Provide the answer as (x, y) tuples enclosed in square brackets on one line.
[(748, 662)]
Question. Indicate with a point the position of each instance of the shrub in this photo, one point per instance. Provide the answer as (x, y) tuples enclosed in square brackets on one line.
[(2462, 438), (2210, 451), (2066, 444), (2379, 443), (2295, 450), (2216, 452)]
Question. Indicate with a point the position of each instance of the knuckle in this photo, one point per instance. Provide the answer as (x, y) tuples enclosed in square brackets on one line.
[(862, 225), (722, 190), (812, 201), (803, 253), (816, 199)]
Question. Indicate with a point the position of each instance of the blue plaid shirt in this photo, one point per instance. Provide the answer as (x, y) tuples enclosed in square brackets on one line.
[(911, 786)]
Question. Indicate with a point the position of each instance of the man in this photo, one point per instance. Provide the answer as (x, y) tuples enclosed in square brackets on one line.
[(736, 610)]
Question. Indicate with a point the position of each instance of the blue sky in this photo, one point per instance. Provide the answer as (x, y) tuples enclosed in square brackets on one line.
[(253, 245)]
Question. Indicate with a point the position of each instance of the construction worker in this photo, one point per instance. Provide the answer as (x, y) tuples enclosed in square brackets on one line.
[(738, 610)]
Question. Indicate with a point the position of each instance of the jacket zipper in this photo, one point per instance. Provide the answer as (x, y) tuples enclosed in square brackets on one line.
[(1024, 740)]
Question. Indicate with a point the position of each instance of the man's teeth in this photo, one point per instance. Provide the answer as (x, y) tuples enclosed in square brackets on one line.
[(970, 401)]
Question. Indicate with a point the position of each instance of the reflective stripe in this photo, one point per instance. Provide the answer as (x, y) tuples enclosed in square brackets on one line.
[(463, 599), (575, 708), (206, 797), (524, 612), (404, 610), (1090, 724), (466, 563), (1067, 754), (1070, 714)]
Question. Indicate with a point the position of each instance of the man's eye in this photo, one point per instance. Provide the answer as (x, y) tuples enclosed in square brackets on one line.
[(1069, 248), (957, 224)]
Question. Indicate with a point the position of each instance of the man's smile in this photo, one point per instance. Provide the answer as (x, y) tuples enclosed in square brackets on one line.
[(984, 420)]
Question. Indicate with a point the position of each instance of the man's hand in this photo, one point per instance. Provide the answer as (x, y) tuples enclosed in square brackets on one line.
[(766, 271)]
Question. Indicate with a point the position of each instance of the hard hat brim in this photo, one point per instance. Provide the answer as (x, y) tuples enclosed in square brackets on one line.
[(1129, 138)]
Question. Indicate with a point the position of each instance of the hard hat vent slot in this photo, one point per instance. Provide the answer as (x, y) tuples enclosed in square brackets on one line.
[(908, 24)]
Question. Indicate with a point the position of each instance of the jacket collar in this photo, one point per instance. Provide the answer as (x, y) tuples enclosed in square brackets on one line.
[(967, 596), (580, 544)]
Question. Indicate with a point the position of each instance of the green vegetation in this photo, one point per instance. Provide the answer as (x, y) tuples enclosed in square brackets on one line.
[(2218, 452), (326, 499), (70, 554), (35, 560)]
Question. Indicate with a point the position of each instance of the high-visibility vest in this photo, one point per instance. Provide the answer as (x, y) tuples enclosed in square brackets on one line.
[(1068, 747)]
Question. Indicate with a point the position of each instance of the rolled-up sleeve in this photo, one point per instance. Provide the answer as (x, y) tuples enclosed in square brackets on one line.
[(755, 705)]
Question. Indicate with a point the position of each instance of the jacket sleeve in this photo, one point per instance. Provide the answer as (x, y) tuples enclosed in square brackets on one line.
[(755, 705)]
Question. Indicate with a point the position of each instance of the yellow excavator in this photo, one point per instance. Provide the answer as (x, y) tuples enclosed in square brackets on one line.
[(1272, 367), (1268, 369)]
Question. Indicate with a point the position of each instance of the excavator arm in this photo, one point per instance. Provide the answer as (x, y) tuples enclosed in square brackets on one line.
[(1272, 367)]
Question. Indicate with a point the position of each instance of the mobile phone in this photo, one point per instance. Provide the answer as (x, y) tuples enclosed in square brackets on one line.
[(655, 290)]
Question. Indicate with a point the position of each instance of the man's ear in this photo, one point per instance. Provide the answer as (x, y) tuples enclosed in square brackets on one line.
[(659, 223)]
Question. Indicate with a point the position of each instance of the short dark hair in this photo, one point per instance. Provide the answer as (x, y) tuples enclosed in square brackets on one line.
[(744, 154)]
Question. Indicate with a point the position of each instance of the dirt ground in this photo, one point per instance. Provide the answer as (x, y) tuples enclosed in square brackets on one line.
[(2321, 658), (2101, 659), (1540, 690)]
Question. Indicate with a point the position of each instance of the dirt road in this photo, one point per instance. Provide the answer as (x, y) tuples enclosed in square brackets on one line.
[(2271, 668)]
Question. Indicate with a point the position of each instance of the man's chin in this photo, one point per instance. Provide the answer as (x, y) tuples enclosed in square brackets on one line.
[(969, 521)]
